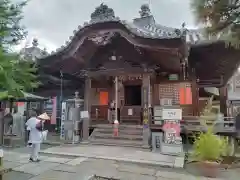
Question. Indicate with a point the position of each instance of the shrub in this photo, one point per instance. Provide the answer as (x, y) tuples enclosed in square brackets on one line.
[(209, 147)]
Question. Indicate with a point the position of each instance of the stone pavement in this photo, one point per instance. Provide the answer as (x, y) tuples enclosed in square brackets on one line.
[(80, 168), (119, 154)]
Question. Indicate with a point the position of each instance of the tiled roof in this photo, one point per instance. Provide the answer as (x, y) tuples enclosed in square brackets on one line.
[(144, 27)]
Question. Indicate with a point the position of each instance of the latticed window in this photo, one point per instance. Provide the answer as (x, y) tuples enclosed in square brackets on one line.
[(177, 93)]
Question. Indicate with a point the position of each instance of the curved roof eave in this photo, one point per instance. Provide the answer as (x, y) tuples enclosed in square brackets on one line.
[(129, 28), (225, 60)]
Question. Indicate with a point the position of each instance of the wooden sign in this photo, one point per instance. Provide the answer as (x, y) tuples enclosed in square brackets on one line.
[(173, 77), (84, 114), (172, 114)]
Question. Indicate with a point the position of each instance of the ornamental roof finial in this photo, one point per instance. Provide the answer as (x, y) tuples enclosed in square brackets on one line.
[(102, 12), (35, 42), (145, 11)]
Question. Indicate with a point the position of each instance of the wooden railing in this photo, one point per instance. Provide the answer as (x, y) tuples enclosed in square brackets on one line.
[(192, 124), (99, 112), (135, 118)]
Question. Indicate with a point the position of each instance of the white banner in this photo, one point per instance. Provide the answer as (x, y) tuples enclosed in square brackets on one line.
[(63, 118)]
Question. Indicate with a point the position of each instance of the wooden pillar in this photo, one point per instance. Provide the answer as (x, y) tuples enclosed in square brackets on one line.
[(195, 93), (116, 98), (145, 102), (223, 100), (87, 106)]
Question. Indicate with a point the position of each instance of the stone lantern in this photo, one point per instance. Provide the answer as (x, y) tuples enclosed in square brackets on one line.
[(77, 100)]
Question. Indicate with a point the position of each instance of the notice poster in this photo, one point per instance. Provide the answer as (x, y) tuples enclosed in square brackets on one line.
[(171, 131), (54, 111)]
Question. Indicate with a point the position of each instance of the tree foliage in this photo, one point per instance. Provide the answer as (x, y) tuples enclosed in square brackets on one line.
[(220, 17), (11, 32), (15, 76)]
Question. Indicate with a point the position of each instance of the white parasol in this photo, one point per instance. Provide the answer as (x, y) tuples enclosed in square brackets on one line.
[(44, 116)]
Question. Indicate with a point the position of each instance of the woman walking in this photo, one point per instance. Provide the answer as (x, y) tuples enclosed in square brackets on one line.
[(35, 126)]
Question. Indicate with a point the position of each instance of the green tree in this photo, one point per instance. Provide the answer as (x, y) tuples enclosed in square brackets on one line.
[(220, 17), (15, 76)]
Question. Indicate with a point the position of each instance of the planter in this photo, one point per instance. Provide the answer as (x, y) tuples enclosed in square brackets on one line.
[(209, 169)]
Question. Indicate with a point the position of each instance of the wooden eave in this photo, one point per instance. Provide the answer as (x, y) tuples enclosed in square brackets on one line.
[(214, 61), (122, 47), (171, 44)]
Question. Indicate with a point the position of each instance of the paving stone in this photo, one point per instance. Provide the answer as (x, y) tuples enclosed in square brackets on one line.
[(137, 169), (99, 164), (76, 161), (57, 160), (174, 175), (87, 169), (132, 176), (53, 175), (35, 168), (179, 162), (65, 168), (12, 157), (13, 175), (25, 167), (9, 164), (103, 161)]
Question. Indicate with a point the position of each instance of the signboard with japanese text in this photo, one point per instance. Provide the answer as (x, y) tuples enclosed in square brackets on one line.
[(172, 114), (63, 118)]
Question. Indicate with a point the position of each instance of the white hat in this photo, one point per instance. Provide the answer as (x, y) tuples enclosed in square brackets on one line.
[(116, 122), (44, 116)]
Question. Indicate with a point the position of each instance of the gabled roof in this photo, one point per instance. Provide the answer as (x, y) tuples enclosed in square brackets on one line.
[(144, 28), (205, 55)]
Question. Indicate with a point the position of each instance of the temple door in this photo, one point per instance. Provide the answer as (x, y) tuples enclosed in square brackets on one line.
[(103, 102), (104, 98)]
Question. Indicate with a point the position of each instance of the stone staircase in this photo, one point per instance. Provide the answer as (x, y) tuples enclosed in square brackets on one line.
[(129, 136)]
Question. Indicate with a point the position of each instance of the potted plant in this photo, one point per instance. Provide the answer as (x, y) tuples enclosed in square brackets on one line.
[(208, 150)]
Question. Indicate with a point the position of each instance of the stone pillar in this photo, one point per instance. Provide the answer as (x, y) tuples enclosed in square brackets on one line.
[(75, 123), (145, 102), (87, 107)]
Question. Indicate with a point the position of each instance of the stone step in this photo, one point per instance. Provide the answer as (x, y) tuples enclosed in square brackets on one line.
[(121, 131), (121, 126), (126, 132), (98, 135), (116, 142)]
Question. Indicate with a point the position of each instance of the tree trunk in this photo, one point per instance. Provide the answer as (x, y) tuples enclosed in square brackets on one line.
[(1, 126)]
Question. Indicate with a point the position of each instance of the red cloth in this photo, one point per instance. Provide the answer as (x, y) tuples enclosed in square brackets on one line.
[(115, 132)]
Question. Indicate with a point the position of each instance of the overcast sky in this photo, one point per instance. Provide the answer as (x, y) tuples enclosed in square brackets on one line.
[(53, 21)]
